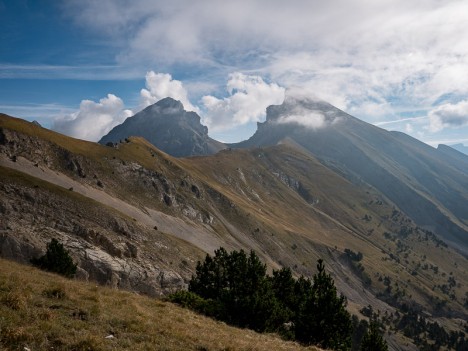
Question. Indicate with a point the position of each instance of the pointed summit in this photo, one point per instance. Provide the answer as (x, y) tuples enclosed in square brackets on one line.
[(170, 128), (169, 104)]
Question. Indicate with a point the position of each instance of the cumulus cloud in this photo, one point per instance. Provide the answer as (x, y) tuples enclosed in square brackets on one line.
[(93, 119), (249, 96), (448, 116), (375, 59), (162, 85)]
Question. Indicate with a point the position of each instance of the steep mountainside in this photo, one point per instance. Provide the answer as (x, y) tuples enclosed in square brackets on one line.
[(456, 158), (415, 177), (460, 147), (137, 218), (169, 127)]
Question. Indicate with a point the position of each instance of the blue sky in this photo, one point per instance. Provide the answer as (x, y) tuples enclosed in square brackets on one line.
[(81, 67)]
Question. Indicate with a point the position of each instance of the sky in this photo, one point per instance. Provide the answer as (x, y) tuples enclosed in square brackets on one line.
[(82, 67)]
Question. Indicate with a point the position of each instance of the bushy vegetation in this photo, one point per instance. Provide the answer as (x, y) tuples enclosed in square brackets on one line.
[(354, 256), (56, 259), (428, 335), (234, 287)]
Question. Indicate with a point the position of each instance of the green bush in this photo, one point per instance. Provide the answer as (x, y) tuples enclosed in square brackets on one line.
[(188, 299), (56, 259)]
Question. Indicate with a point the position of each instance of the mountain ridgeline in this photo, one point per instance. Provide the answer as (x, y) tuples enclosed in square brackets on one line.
[(387, 214), (427, 184)]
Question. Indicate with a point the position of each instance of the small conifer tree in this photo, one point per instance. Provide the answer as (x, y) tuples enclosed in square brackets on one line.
[(323, 319), (373, 339), (56, 259)]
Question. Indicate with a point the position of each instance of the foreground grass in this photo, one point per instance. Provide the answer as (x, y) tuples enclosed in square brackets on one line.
[(43, 311)]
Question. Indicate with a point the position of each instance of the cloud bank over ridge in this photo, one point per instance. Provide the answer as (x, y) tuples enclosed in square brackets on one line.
[(249, 96), (379, 61)]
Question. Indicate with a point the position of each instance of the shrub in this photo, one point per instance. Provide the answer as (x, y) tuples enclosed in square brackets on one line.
[(56, 259), (189, 299)]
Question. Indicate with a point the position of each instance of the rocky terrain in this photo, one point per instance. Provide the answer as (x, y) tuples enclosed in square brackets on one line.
[(136, 218)]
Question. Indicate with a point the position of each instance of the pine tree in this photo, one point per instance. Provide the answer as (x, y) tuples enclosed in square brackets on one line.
[(283, 285), (56, 259), (360, 328), (239, 288), (373, 339), (323, 319), (241, 293)]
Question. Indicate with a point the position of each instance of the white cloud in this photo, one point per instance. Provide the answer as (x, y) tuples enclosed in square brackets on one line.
[(160, 86), (351, 52), (249, 96), (93, 119), (308, 119), (448, 116), (373, 59), (306, 116)]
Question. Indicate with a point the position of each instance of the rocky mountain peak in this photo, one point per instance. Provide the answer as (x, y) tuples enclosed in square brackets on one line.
[(168, 126), (169, 105)]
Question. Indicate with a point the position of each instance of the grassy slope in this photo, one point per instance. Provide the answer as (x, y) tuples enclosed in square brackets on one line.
[(42, 311)]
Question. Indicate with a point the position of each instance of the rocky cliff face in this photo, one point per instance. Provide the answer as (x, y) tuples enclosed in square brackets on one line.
[(108, 248), (170, 128)]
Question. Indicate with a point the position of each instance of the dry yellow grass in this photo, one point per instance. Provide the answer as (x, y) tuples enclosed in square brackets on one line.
[(43, 311)]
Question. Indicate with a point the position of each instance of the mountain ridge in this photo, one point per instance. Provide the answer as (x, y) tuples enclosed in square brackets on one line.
[(392, 162), (164, 213)]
